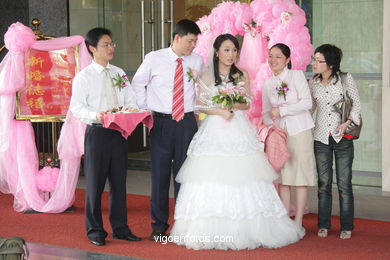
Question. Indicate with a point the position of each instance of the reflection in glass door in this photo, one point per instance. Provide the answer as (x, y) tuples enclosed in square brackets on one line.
[(138, 27)]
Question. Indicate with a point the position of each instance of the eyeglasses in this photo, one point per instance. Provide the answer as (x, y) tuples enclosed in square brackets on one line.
[(105, 45), (313, 60)]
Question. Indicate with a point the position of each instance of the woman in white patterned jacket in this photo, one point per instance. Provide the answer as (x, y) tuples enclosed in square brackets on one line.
[(330, 138)]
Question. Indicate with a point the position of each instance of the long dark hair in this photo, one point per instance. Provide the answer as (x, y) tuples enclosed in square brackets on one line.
[(285, 50), (233, 69), (333, 56)]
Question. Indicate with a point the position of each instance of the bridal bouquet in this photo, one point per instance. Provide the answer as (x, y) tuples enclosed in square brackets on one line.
[(230, 94)]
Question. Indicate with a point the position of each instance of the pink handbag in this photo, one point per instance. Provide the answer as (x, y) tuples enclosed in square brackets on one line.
[(275, 148)]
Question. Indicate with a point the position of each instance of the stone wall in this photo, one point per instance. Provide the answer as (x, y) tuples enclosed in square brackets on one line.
[(52, 13)]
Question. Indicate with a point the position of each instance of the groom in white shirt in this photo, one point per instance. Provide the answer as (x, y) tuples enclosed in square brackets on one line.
[(93, 93), (162, 85)]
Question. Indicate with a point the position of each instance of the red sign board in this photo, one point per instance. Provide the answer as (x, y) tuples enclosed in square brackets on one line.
[(48, 90)]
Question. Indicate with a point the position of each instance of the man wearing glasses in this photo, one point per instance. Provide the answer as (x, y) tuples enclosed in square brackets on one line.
[(94, 93)]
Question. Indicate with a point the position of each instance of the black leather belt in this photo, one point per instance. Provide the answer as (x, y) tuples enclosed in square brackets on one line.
[(97, 125), (169, 116)]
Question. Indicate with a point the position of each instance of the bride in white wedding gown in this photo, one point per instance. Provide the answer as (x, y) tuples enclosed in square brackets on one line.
[(227, 199)]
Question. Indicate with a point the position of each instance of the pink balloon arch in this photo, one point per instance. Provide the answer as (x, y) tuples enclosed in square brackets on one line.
[(263, 23)]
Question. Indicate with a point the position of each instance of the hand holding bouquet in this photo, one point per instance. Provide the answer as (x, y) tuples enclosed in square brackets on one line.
[(231, 94)]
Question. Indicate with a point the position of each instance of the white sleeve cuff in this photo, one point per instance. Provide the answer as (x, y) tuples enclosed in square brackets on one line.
[(92, 115), (282, 111)]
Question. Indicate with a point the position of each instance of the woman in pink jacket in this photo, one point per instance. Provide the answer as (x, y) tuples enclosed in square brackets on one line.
[(287, 103)]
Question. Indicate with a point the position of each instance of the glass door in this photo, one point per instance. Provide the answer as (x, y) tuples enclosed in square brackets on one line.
[(138, 27)]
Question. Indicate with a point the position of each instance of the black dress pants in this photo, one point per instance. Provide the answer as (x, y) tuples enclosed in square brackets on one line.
[(169, 143), (105, 158)]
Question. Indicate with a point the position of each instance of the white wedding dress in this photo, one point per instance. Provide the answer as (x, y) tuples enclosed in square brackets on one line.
[(227, 199)]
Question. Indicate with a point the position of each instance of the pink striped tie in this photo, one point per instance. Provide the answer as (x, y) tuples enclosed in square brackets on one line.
[(178, 92)]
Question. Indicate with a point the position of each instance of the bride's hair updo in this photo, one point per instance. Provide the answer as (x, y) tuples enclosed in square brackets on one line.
[(233, 69)]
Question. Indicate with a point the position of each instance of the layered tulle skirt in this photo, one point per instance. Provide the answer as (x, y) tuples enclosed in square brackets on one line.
[(227, 199)]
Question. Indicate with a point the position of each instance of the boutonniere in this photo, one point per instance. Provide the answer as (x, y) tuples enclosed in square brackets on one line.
[(282, 89), (192, 75), (120, 80)]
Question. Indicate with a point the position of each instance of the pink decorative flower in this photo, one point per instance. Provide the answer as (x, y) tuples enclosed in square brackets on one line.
[(285, 17), (252, 28), (19, 37), (205, 27)]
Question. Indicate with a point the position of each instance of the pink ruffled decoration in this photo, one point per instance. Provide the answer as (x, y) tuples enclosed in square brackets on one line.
[(283, 21), (46, 178), (19, 161), (19, 37)]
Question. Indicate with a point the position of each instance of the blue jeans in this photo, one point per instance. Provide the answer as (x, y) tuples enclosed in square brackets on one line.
[(343, 153)]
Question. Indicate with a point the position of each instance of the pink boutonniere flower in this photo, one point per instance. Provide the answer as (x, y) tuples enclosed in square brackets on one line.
[(120, 80), (282, 89)]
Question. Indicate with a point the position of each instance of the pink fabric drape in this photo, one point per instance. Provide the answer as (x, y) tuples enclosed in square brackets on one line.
[(18, 153), (253, 56)]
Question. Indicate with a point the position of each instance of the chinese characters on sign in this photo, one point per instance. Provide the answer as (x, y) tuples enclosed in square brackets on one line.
[(48, 88)]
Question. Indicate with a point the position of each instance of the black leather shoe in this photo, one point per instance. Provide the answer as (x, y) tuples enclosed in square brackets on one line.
[(131, 237), (98, 241), (157, 234)]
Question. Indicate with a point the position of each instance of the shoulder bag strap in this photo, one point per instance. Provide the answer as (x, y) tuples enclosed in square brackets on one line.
[(343, 80)]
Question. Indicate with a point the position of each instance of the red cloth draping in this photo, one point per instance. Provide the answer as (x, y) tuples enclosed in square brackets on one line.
[(125, 123)]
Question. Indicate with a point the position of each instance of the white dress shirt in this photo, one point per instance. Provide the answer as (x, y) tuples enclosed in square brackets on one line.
[(324, 97), (88, 93), (153, 81), (295, 114)]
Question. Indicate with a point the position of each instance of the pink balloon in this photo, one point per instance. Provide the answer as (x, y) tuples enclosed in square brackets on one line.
[(231, 16), (278, 9)]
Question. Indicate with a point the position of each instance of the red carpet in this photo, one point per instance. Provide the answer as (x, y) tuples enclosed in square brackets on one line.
[(371, 239)]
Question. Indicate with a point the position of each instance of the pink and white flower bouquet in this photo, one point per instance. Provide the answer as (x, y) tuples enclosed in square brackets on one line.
[(230, 94)]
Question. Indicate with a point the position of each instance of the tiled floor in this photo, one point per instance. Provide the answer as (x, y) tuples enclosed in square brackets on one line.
[(370, 203)]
